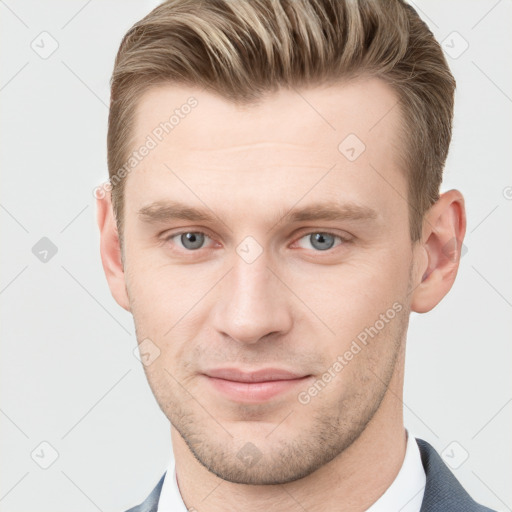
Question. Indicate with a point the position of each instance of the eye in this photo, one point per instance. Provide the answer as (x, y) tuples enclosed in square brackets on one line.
[(189, 240), (320, 240)]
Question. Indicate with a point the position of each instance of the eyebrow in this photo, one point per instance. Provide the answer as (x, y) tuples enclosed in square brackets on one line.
[(165, 211)]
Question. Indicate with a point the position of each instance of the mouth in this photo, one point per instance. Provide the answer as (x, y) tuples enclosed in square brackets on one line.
[(253, 386)]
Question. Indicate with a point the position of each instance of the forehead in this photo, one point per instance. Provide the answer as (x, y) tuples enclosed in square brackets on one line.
[(367, 107), (280, 145)]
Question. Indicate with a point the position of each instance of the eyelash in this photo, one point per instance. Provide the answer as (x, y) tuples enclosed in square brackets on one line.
[(344, 240)]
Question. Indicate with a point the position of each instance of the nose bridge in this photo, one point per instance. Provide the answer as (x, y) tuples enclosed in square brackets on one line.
[(251, 303)]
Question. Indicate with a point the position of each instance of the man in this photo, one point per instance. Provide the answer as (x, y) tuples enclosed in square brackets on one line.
[(273, 216)]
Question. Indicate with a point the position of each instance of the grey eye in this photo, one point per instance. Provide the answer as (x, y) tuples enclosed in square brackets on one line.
[(192, 240), (320, 241)]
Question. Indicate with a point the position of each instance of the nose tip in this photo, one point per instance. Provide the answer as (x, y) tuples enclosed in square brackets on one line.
[(251, 305)]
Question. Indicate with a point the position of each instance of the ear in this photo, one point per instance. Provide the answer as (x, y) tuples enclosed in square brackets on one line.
[(110, 250), (444, 227)]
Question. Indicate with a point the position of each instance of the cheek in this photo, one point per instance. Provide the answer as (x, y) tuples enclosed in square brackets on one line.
[(167, 303), (160, 294), (348, 298)]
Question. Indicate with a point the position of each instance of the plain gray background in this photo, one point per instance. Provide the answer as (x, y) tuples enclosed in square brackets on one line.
[(68, 374)]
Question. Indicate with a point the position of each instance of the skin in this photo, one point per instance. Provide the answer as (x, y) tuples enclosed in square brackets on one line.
[(296, 306)]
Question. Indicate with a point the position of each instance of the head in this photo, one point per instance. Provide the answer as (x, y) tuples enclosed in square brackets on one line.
[(275, 171)]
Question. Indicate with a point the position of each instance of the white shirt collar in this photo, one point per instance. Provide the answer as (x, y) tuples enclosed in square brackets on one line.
[(170, 497), (405, 494)]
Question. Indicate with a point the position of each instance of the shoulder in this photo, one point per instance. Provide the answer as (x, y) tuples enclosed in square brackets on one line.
[(150, 504), (442, 490)]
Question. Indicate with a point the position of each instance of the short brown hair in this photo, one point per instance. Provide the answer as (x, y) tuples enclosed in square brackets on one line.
[(243, 49)]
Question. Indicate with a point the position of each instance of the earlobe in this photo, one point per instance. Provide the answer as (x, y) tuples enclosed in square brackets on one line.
[(444, 228), (110, 250)]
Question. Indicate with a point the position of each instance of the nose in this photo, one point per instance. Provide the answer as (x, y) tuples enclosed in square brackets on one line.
[(252, 302)]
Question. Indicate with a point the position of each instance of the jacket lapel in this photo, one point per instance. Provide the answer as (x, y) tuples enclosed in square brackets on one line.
[(150, 504), (443, 491)]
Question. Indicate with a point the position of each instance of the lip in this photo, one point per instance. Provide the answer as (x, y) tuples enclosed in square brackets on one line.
[(261, 375), (253, 386)]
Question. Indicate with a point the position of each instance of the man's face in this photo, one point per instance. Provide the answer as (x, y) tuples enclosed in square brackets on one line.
[(255, 287)]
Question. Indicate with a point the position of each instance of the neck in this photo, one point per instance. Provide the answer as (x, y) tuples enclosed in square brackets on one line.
[(351, 482)]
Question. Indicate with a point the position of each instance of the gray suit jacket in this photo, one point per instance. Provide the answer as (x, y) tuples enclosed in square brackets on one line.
[(443, 492)]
